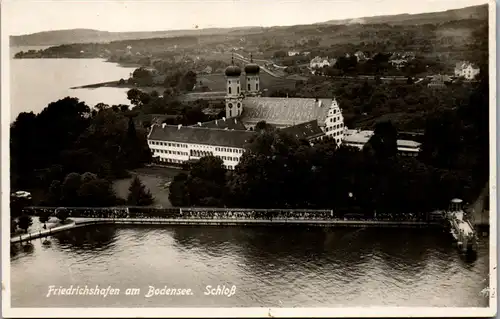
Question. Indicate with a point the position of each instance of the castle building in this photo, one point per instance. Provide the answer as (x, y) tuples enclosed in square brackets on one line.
[(304, 118), (245, 102)]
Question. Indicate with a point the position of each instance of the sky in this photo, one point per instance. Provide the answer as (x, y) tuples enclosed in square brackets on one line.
[(28, 16)]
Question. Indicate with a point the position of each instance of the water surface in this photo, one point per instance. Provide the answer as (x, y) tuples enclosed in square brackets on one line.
[(270, 266)]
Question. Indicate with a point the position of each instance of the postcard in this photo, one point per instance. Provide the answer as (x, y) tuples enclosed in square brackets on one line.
[(249, 158)]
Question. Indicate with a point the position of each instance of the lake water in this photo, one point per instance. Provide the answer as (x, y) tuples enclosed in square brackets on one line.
[(34, 83), (275, 267)]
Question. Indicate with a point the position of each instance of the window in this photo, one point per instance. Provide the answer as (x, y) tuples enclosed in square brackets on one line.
[(249, 87), (230, 113), (230, 105), (239, 105), (256, 86), (238, 90), (229, 89)]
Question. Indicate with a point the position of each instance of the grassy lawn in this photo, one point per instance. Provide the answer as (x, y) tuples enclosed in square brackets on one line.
[(154, 178)]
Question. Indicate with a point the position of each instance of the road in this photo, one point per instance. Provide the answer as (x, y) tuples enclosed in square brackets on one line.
[(243, 59)]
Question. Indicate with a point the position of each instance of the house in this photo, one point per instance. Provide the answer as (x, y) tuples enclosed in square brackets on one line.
[(207, 70), (398, 63), (467, 70), (439, 81), (360, 56), (358, 138), (319, 62)]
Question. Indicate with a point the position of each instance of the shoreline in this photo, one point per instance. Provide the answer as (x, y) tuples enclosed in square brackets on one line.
[(83, 222)]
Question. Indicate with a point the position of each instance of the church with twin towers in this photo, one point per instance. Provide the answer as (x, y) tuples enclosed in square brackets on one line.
[(304, 118)]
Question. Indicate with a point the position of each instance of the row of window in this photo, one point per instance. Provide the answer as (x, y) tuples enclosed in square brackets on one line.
[(334, 127), (228, 158), (170, 160), (334, 119), (168, 144), (229, 150), (228, 167), (200, 153), (171, 152)]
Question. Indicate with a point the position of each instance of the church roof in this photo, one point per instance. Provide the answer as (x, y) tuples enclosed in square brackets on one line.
[(305, 130), (285, 111), (230, 123), (200, 135)]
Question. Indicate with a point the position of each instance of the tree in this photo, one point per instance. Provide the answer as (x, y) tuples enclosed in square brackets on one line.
[(62, 215), (44, 218), (97, 193), (263, 126), (133, 95), (25, 222), (138, 194), (69, 189)]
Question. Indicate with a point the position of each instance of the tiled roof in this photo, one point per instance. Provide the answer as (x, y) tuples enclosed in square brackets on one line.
[(200, 135), (305, 130), (284, 111), (230, 123)]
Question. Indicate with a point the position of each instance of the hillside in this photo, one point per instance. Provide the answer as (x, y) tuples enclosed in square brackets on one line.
[(59, 37), (473, 13)]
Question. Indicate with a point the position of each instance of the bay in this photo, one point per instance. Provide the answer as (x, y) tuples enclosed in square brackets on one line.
[(34, 83)]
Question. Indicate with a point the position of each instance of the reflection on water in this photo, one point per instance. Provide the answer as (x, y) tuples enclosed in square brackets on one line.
[(271, 266)]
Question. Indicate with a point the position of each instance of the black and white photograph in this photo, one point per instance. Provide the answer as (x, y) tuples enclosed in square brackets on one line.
[(249, 158)]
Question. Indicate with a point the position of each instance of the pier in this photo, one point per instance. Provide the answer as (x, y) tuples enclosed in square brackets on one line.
[(218, 217), (461, 227)]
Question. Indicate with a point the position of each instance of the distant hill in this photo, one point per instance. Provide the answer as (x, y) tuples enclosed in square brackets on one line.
[(475, 12), (59, 37)]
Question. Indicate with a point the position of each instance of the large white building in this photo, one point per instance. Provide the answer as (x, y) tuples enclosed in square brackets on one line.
[(177, 144)]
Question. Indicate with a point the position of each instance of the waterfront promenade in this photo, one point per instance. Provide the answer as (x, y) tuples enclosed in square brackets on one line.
[(228, 221)]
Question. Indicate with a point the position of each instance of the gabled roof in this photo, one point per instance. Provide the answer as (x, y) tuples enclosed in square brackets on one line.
[(200, 135), (285, 111), (305, 130), (230, 123)]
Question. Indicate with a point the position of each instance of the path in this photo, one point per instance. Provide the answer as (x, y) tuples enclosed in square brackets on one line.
[(81, 222)]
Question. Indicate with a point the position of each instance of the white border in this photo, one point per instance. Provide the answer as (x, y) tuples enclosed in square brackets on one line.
[(7, 311)]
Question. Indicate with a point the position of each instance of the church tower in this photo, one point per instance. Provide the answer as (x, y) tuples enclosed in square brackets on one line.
[(252, 78), (234, 96)]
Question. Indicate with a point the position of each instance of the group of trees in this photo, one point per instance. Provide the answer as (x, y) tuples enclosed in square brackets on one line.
[(73, 153), (279, 171), (181, 112)]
